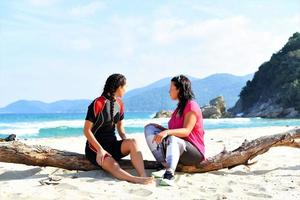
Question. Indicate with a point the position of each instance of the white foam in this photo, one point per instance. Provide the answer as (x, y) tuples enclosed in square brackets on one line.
[(228, 121), (5, 125), (152, 115), (144, 122), (29, 131), (31, 128)]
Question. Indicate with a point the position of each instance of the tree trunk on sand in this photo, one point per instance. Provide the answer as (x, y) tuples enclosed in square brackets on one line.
[(18, 152)]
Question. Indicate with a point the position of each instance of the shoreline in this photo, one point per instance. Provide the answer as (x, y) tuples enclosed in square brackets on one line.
[(59, 127)]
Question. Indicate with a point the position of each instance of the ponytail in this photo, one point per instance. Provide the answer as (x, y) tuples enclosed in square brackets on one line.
[(112, 83)]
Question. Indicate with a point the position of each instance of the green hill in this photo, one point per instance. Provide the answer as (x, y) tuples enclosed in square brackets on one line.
[(274, 90)]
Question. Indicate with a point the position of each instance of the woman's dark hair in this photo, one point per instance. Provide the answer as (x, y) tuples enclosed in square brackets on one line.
[(113, 82), (185, 94)]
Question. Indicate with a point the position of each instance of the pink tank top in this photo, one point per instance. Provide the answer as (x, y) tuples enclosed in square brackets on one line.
[(196, 137)]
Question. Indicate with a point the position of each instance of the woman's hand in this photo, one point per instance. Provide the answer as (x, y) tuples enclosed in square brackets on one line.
[(159, 137), (101, 154)]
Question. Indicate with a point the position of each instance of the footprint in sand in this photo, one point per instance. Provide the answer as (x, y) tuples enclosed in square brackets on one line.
[(140, 192), (232, 183), (64, 186), (259, 195), (262, 189), (212, 189), (227, 190)]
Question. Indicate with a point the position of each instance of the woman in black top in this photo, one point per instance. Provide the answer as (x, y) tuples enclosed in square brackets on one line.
[(102, 147)]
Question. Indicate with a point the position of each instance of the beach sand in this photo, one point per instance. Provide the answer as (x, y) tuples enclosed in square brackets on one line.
[(276, 175)]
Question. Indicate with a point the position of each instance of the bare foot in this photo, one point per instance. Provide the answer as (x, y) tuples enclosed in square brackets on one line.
[(143, 175), (144, 180)]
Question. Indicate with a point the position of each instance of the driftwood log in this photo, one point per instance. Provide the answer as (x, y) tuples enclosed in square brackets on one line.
[(18, 152)]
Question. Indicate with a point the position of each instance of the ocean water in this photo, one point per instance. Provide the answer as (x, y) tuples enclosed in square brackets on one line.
[(67, 125)]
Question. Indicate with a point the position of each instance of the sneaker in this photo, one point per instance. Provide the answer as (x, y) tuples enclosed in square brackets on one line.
[(168, 179), (158, 174)]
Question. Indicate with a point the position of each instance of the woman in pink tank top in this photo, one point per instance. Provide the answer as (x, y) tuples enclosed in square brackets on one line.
[(183, 140)]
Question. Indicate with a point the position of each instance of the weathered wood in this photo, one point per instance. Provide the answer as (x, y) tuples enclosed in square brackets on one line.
[(18, 152), (246, 152)]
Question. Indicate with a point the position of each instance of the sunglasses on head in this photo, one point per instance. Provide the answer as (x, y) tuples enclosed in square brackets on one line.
[(179, 78)]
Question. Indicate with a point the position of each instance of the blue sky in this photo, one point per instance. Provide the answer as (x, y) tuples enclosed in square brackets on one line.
[(55, 49)]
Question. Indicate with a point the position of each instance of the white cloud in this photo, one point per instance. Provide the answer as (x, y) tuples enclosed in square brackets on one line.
[(145, 47), (230, 45), (167, 31), (88, 9), (127, 34)]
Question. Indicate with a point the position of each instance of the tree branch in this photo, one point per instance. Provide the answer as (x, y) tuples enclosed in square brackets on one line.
[(18, 152)]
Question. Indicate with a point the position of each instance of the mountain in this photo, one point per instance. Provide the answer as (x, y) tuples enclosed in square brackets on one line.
[(63, 106), (274, 90), (156, 98), (24, 106), (153, 97), (160, 83), (226, 85)]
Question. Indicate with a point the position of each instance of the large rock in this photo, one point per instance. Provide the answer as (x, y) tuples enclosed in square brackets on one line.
[(216, 109), (219, 103), (163, 114), (291, 113), (210, 111), (270, 109)]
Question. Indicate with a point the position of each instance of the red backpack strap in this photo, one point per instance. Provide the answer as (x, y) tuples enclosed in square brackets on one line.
[(99, 105)]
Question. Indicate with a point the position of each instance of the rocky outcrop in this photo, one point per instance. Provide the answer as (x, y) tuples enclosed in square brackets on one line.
[(163, 114), (271, 110), (219, 103), (216, 109), (209, 111)]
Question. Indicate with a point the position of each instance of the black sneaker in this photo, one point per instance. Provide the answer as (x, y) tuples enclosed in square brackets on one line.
[(168, 179)]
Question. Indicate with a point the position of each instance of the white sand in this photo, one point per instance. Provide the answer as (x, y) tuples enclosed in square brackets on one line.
[(276, 175)]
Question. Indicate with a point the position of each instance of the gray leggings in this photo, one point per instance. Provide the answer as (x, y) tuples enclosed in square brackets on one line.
[(172, 150)]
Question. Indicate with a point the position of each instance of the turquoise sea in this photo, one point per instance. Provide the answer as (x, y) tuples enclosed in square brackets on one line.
[(65, 125)]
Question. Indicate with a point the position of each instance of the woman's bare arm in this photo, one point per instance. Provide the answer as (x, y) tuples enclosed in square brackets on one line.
[(190, 120), (121, 129)]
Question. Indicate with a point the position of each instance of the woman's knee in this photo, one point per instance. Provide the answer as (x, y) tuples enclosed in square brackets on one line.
[(129, 146), (133, 143), (109, 163), (149, 129)]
